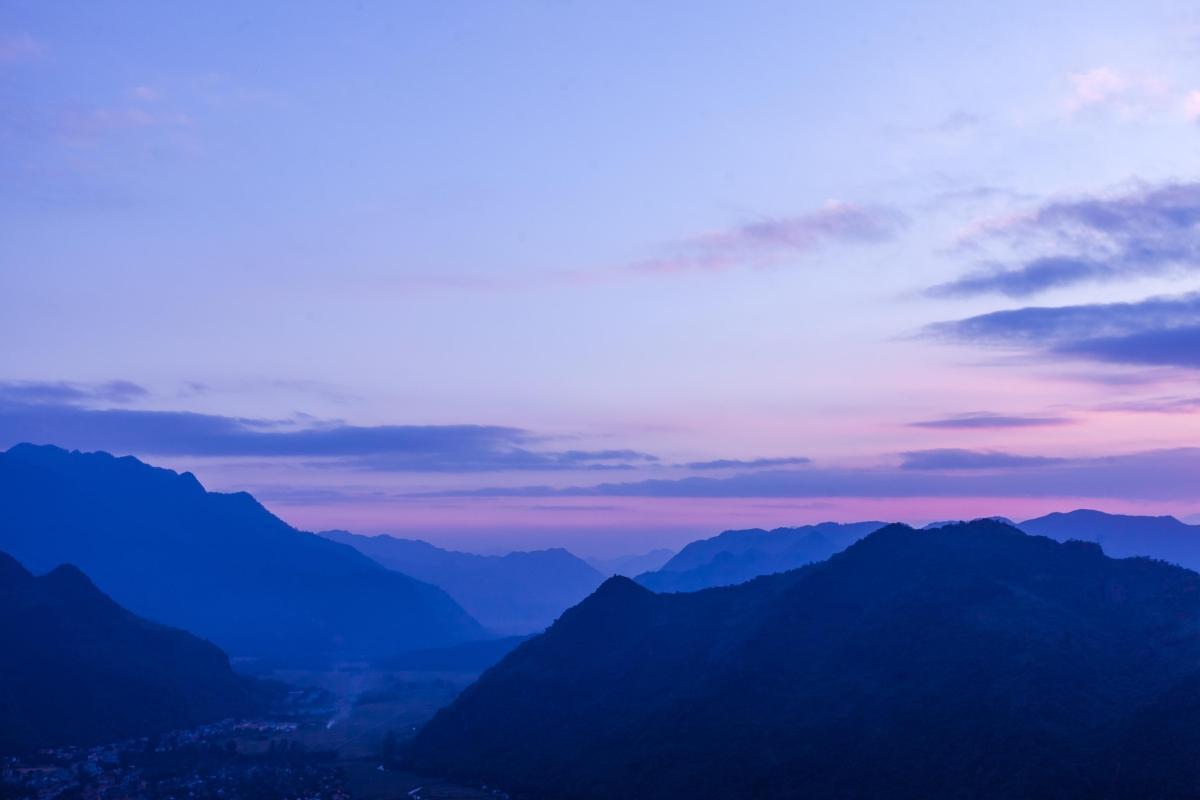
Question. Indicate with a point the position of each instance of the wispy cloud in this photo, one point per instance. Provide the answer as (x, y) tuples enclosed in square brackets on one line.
[(763, 243), (772, 240), (1159, 331), (58, 413), (87, 125), (1156, 405), (145, 94), (20, 47), (1148, 475), (754, 463), (117, 391), (958, 459), (1109, 89), (983, 419), (1191, 106), (1148, 231)]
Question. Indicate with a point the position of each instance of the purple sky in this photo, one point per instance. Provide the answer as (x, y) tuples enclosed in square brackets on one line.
[(608, 275)]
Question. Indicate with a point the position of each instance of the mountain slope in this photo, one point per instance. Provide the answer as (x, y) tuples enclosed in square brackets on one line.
[(1165, 538), (737, 556), (76, 668), (516, 593), (218, 565), (967, 661)]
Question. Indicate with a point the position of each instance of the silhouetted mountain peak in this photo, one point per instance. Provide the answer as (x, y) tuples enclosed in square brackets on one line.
[(68, 577), (970, 540), (520, 592), (736, 556), (614, 602), (1162, 537), (946, 522), (967, 661), (618, 587), (220, 565), (104, 469), (77, 668), (1085, 515), (12, 570)]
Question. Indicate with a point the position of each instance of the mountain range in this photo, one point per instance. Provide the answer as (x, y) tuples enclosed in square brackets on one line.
[(218, 565), (630, 565), (1164, 538), (737, 556), (972, 660), (513, 594), (76, 668)]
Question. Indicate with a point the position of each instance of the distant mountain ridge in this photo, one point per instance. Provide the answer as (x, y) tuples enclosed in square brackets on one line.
[(76, 668), (971, 660), (1121, 535), (630, 565), (218, 565), (513, 594), (943, 523), (737, 556)]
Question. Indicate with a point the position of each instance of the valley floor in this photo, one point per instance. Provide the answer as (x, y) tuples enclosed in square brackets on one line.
[(329, 746)]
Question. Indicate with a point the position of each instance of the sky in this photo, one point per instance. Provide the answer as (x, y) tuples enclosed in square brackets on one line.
[(610, 276)]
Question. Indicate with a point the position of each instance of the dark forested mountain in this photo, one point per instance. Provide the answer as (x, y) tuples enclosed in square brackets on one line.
[(967, 661), (512, 594), (945, 522), (218, 565), (1165, 538), (76, 668), (632, 564), (737, 556)]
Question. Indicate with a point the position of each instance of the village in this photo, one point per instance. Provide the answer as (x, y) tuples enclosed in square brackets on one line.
[(227, 760)]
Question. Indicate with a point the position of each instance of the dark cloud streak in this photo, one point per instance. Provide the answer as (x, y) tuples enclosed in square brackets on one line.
[(1158, 331), (46, 416), (1150, 475), (1148, 231), (755, 463), (985, 420), (959, 459)]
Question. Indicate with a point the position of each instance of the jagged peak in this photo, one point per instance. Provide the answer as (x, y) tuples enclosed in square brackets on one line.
[(52, 456)]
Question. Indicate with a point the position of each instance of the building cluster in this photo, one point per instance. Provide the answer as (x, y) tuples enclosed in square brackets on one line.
[(230, 760)]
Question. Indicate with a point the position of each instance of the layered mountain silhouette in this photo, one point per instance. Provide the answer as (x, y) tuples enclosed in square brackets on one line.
[(968, 661), (737, 556), (630, 565), (1121, 535), (76, 668), (943, 523), (218, 565), (517, 593)]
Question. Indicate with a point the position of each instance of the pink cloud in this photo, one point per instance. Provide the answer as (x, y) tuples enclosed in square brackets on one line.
[(21, 47), (85, 126), (1191, 106), (768, 241), (1109, 89), (145, 94)]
